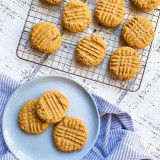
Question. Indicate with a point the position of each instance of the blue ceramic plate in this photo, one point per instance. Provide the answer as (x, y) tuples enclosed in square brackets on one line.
[(41, 147)]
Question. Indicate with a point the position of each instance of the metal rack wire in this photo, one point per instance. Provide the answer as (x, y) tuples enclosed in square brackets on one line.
[(64, 59)]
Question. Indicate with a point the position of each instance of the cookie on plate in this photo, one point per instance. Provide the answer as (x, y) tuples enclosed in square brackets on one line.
[(138, 32), (124, 63), (91, 50), (146, 5), (76, 16), (110, 13), (29, 121), (53, 1), (52, 106), (45, 37), (70, 134)]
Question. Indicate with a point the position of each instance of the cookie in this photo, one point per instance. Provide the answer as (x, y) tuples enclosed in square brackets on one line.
[(76, 16), (45, 37), (138, 32), (125, 63), (91, 50), (70, 134), (29, 121), (53, 1), (52, 106), (110, 13), (146, 5)]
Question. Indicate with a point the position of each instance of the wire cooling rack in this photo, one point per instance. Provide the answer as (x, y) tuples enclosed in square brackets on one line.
[(64, 59)]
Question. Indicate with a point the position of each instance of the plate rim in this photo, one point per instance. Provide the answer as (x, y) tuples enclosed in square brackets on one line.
[(46, 77)]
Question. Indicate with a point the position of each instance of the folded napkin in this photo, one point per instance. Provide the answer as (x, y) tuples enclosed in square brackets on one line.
[(116, 141)]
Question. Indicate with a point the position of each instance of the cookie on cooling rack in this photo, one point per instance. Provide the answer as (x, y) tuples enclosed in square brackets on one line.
[(124, 63), (45, 37), (52, 106), (146, 5), (53, 1), (91, 50), (110, 13), (70, 134), (29, 121), (138, 32), (76, 16)]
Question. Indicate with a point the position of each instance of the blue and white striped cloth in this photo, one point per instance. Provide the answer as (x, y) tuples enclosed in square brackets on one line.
[(116, 141)]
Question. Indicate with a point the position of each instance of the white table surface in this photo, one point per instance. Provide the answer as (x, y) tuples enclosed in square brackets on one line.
[(143, 105)]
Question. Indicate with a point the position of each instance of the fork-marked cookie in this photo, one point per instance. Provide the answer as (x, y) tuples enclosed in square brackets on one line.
[(29, 121), (52, 106), (124, 63), (45, 37), (138, 32), (76, 16), (70, 134), (91, 50), (53, 1), (110, 13), (146, 5)]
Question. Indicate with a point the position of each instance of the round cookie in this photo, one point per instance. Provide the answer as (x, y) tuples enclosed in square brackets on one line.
[(124, 63), (138, 32), (91, 50), (146, 5), (110, 13), (29, 121), (52, 106), (45, 37), (76, 16), (70, 134), (53, 1)]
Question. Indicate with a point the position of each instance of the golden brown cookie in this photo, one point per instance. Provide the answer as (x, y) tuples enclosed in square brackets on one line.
[(45, 37), (110, 13), (146, 5), (53, 1), (70, 134), (29, 121), (76, 16), (138, 32), (52, 106), (91, 50), (124, 63)]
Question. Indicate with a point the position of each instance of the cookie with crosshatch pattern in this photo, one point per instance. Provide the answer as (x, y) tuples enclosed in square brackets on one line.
[(52, 106), (124, 63), (146, 5), (110, 13), (70, 134), (53, 1), (91, 50), (29, 121), (138, 32), (76, 16), (45, 37)]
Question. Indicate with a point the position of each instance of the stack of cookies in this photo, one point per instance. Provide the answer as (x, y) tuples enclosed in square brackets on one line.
[(137, 33), (35, 116)]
